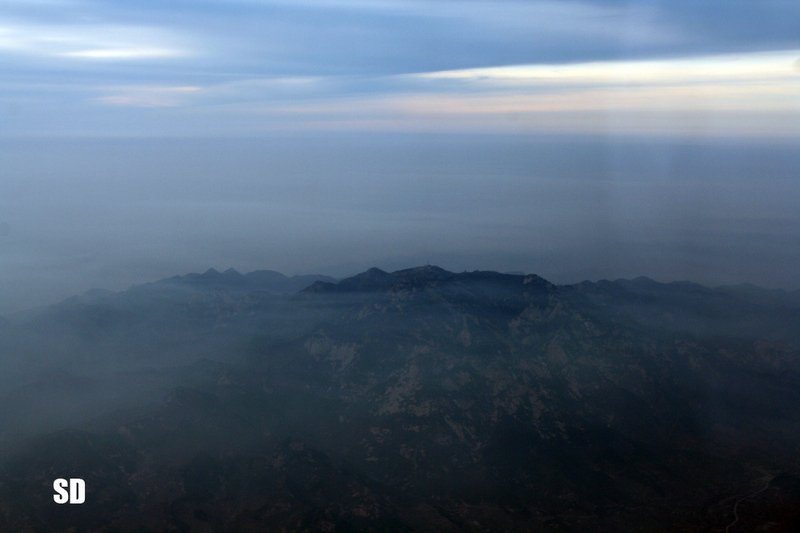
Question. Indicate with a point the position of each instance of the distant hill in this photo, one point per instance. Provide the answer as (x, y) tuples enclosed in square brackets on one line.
[(415, 400), (232, 281)]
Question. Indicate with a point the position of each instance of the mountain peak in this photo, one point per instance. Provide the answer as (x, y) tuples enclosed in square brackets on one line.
[(376, 280), (232, 273)]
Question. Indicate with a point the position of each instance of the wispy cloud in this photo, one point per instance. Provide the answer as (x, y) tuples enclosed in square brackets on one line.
[(741, 83), (91, 42), (123, 53), (147, 96), (746, 95), (767, 66)]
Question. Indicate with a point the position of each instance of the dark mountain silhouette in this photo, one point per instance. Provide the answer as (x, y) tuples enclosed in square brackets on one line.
[(416, 400)]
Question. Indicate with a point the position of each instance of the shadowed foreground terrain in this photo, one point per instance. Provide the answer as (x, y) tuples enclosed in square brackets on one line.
[(419, 400)]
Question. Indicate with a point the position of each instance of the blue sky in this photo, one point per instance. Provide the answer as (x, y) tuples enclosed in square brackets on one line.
[(573, 139)]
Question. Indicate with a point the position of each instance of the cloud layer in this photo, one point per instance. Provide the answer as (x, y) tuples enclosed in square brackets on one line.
[(248, 67)]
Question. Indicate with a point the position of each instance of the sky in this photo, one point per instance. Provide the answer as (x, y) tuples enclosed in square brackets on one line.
[(577, 140)]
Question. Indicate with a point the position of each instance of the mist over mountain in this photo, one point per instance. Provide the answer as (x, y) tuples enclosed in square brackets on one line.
[(413, 400), (116, 212)]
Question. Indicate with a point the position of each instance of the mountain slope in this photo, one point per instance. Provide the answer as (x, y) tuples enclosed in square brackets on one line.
[(426, 400)]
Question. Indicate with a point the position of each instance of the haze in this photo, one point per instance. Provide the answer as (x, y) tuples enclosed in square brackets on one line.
[(575, 140)]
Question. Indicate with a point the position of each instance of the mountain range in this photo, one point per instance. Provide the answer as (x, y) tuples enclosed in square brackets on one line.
[(416, 400)]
